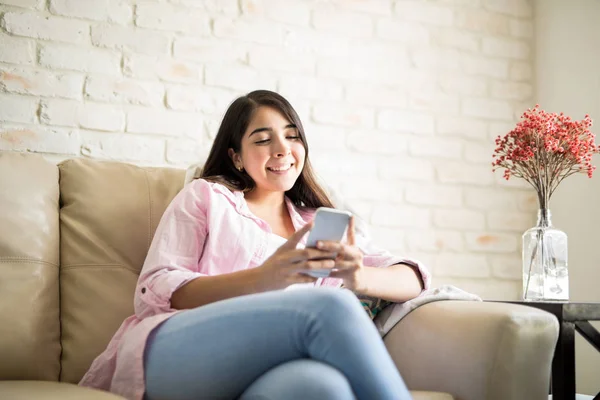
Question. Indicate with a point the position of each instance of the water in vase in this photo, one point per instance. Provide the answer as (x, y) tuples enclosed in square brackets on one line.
[(545, 269)]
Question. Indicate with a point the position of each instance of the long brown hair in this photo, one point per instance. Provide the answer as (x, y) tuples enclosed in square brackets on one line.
[(219, 167)]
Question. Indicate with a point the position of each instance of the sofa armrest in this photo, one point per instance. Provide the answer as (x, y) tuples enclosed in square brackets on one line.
[(476, 350)]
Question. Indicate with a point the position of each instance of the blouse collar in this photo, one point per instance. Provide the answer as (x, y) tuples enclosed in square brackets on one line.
[(299, 216)]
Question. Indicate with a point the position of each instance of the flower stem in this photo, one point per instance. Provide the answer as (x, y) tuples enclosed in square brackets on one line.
[(530, 266)]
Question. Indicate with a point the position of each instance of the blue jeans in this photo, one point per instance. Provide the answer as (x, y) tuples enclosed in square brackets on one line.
[(309, 343)]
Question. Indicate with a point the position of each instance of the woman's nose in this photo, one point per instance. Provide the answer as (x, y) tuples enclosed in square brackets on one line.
[(282, 149)]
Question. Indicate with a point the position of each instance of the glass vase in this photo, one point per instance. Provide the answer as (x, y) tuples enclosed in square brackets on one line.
[(545, 272)]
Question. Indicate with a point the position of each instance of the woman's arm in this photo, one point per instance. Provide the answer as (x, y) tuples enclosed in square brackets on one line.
[(208, 289), (397, 283), (170, 278), (364, 270), (277, 272), (176, 248)]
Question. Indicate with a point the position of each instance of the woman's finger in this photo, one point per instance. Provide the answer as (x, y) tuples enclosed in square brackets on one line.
[(328, 245), (321, 264), (308, 265), (301, 255), (344, 251), (351, 236), (345, 265)]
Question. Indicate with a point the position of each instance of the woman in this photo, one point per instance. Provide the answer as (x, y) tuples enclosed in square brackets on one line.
[(211, 320)]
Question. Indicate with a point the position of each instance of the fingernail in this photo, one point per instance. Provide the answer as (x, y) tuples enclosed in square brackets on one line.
[(319, 244)]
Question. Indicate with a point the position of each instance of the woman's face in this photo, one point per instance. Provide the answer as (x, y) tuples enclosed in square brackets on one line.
[(272, 152)]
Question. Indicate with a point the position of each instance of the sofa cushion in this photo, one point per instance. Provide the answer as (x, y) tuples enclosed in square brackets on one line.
[(30, 390), (422, 395), (27, 390), (29, 258), (109, 212)]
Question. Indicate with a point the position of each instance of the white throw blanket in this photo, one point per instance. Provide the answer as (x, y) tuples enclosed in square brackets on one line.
[(393, 313)]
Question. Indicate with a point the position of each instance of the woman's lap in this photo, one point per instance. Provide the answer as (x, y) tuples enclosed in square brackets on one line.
[(219, 350)]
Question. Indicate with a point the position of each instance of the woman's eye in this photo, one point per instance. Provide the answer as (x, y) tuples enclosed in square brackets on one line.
[(264, 141)]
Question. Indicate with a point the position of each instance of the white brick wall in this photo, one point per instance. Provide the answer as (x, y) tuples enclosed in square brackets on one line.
[(292, 12), (16, 50), (96, 10), (350, 24), (40, 82), (129, 39), (172, 18), (102, 117), (18, 108), (125, 91), (35, 25), (67, 57), (35, 4), (401, 101), (141, 66)]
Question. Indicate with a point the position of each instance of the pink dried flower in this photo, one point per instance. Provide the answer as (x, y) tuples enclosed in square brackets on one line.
[(545, 148)]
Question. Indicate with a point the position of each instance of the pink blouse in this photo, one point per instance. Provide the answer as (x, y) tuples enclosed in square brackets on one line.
[(206, 230)]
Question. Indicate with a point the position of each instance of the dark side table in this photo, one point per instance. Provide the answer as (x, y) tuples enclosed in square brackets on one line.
[(571, 317)]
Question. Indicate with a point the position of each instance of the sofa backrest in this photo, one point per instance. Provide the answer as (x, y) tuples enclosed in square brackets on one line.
[(73, 239), (109, 212), (29, 268)]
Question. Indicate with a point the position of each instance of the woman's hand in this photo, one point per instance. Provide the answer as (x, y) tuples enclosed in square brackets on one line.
[(285, 266), (349, 261)]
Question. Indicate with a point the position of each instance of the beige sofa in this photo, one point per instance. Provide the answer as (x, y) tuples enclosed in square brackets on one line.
[(73, 238)]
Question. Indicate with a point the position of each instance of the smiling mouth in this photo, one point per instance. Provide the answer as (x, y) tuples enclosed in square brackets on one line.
[(281, 169)]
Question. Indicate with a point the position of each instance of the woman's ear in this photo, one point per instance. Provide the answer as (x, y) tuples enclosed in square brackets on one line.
[(235, 157)]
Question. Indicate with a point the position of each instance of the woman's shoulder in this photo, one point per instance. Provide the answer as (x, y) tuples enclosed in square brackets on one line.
[(201, 185), (209, 192)]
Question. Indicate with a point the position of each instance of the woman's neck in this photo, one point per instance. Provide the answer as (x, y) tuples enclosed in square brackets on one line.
[(266, 201), (272, 209)]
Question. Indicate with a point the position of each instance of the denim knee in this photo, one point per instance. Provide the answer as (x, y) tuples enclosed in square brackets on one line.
[(302, 379), (337, 302), (320, 381)]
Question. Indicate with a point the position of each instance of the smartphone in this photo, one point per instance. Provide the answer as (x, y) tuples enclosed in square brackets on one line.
[(331, 225)]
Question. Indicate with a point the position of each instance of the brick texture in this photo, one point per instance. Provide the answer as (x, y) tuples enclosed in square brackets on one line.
[(36, 26), (401, 102), (16, 50)]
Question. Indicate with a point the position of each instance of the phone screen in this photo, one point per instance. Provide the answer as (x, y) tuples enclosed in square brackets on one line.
[(330, 224)]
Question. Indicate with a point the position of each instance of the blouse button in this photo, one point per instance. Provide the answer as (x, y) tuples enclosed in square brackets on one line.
[(143, 290)]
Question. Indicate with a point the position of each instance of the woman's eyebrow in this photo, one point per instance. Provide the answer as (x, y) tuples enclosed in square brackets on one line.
[(266, 129), (260, 130)]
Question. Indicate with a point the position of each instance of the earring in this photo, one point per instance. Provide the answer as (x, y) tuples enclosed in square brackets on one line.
[(240, 169)]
